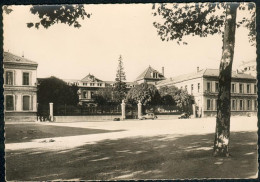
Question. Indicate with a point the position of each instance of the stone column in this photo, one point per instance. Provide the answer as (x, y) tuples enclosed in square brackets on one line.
[(193, 111), (51, 111), (123, 109), (139, 109)]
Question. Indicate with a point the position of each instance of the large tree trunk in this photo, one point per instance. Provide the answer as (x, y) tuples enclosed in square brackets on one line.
[(222, 134)]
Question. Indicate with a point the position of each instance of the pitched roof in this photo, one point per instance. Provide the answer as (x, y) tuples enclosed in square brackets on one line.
[(90, 78), (203, 73), (235, 74), (11, 58), (147, 74)]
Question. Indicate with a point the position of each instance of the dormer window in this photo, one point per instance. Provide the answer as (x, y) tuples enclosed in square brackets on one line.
[(155, 75)]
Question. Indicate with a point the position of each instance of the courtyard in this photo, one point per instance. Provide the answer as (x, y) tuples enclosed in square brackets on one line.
[(130, 149)]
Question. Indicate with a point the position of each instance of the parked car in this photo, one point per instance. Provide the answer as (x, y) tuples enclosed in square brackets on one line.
[(148, 116), (184, 116)]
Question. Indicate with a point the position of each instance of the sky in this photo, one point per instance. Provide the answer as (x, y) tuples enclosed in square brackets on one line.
[(113, 30)]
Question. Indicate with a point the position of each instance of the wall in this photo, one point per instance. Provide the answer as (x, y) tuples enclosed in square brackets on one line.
[(85, 118)]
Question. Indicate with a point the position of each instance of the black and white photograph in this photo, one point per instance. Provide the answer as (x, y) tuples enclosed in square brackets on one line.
[(130, 91)]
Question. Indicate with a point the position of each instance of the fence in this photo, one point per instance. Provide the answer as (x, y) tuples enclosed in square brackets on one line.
[(131, 110)]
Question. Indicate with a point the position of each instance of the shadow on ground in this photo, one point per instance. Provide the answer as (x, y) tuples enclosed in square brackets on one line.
[(16, 133), (162, 157)]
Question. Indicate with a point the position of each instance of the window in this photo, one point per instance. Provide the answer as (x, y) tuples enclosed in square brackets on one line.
[(255, 89), (191, 88), (92, 94), (216, 87), (9, 103), (9, 78), (209, 105), (155, 75), (92, 84), (248, 105), (26, 103), (25, 78), (240, 88), (241, 105), (248, 90), (255, 104), (233, 88), (233, 105), (198, 87), (85, 95), (208, 86)]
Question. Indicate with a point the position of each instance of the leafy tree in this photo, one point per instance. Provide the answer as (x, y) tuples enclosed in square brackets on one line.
[(167, 97), (203, 19), (120, 85), (105, 96), (56, 91), (147, 94), (183, 101), (174, 97), (53, 14)]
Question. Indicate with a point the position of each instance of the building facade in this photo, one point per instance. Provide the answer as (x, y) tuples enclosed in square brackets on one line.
[(20, 85), (89, 86), (203, 85)]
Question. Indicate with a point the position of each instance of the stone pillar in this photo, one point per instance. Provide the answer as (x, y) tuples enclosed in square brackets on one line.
[(51, 111), (139, 109), (193, 111), (123, 109)]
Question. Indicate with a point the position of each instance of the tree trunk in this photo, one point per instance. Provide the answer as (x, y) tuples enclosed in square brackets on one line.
[(222, 133)]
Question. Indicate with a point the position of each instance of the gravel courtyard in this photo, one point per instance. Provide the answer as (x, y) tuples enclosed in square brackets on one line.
[(130, 149)]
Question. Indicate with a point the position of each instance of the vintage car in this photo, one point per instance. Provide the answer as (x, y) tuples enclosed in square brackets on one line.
[(184, 116), (148, 116)]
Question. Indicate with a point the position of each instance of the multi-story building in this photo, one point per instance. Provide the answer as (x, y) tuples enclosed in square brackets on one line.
[(89, 85), (20, 85), (203, 85)]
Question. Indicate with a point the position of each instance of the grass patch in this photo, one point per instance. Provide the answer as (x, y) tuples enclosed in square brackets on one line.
[(161, 157)]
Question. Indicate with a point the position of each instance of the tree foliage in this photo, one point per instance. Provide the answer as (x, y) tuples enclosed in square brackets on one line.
[(54, 14), (105, 96), (120, 86), (172, 97), (197, 19), (120, 73), (147, 94), (56, 91)]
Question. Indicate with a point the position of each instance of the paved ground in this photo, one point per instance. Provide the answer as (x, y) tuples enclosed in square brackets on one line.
[(131, 149)]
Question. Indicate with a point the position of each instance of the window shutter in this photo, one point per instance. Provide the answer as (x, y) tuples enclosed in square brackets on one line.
[(15, 102), (30, 78), (31, 106), (14, 79)]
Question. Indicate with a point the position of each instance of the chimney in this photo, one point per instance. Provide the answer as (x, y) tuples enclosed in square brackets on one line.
[(198, 69), (163, 71)]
